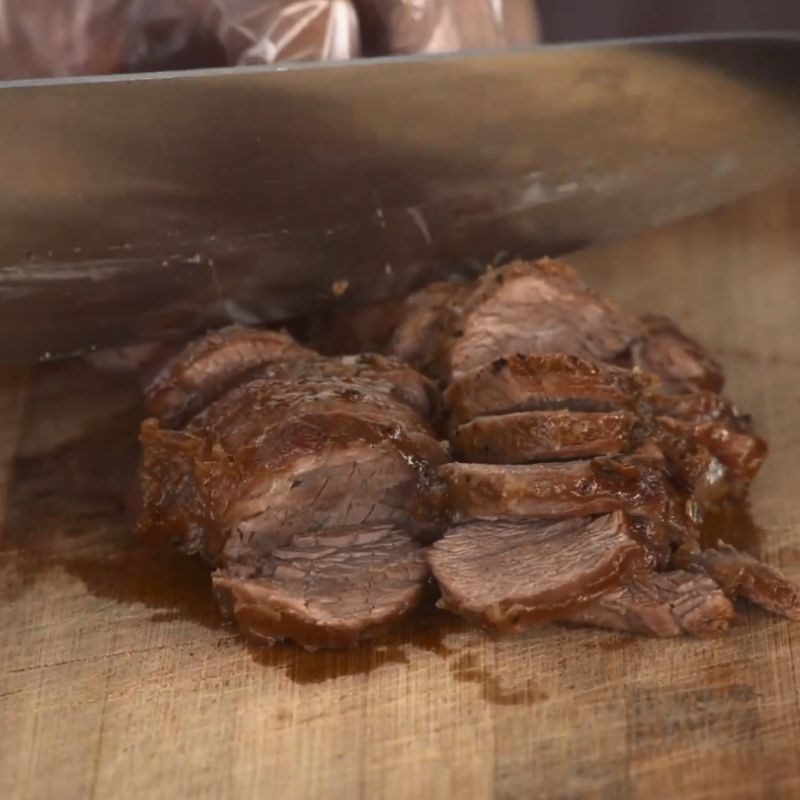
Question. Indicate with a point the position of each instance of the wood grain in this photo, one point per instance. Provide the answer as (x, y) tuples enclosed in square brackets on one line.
[(13, 388), (118, 680)]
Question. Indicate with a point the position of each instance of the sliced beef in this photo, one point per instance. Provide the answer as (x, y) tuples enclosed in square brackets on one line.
[(523, 382), (304, 480), (543, 307), (489, 491), (741, 454), (681, 363), (406, 384), (544, 436), (327, 589), (423, 334), (696, 472), (710, 446), (357, 476), (741, 575), (591, 440), (387, 376), (538, 307), (232, 496), (372, 377), (310, 444), (701, 407), (661, 604), (367, 329), (243, 416), (713, 423), (511, 574), (204, 369), (572, 489), (184, 481)]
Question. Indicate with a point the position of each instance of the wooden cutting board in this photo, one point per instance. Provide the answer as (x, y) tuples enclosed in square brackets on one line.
[(117, 678)]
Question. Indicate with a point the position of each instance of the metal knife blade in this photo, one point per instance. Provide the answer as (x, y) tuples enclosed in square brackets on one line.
[(143, 207)]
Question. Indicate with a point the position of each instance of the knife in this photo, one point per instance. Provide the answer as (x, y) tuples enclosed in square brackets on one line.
[(145, 207)]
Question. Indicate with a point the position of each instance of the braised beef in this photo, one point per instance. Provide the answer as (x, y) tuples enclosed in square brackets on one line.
[(544, 436), (741, 575), (536, 307), (741, 454), (252, 484), (531, 382), (543, 307), (326, 589), (591, 442), (257, 403), (681, 363), (511, 574), (693, 470), (381, 378), (422, 336), (288, 452), (205, 368), (573, 488), (701, 407), (661, 604)]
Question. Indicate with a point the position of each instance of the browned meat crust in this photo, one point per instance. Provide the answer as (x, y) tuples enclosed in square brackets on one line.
[(205, 368), (544, 436)]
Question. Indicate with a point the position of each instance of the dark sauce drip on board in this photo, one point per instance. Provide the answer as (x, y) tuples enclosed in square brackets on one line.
[(425, 632), (86, 533), (177, 586), (500, 688), (304, 667), (733, 524), (69, 510)]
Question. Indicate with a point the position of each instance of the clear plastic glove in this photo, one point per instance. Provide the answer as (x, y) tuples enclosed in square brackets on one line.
[(443, 26), (44, 38), (266, 31), (55, 38)]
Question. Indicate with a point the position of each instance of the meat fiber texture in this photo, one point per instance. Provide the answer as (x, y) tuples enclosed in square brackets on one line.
[(585, 446), (306, 482), (562, 406), (539, 367)]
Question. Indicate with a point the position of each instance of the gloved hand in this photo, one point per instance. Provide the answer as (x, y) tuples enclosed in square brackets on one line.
[(44, 38)]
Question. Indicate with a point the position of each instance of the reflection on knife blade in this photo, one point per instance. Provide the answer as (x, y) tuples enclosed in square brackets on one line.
[(263, 188)]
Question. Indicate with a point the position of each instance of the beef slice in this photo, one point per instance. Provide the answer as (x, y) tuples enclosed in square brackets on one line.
[(532, 382), (537, 307), (330, 589), (532, 436), (204, 368), (511, 574), (681, 363), (661, 604), (741, 575)]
